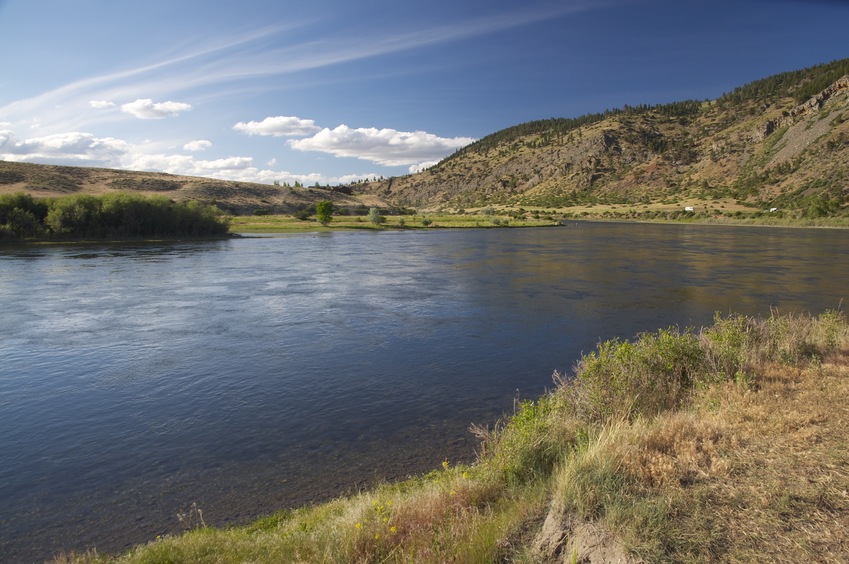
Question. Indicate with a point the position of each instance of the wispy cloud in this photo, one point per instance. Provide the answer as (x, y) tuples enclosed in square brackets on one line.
[(247, 56), (160, 77), (101, 104)]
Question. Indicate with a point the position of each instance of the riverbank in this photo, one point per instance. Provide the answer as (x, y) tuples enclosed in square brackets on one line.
[(291, 224), (508, 217), (727, 443)]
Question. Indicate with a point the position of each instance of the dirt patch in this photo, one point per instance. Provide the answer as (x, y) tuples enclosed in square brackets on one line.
[(564, 539)]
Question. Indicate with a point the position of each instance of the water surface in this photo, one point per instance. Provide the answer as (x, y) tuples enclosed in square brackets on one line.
[(258, 373)]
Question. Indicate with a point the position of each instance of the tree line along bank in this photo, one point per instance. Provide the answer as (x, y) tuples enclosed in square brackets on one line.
[(111, 216)]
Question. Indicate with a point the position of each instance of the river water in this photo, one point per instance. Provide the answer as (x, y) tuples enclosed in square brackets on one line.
[(258, 373)]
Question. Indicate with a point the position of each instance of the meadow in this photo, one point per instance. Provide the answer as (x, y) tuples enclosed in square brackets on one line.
[(291, 223)]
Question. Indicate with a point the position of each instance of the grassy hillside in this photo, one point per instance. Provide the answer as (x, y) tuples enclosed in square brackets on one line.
[(781, 142), (729, 443), (239, 198)]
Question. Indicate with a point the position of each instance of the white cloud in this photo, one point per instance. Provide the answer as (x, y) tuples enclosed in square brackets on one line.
[(387, 147), (186, 165), (349, 178), (70, 148), (173, 164), (265, 176), (197, 145), (145, 108), (84, 149), (278, 126), (101, 104), (239, 169), (229, 163), (418, 167)]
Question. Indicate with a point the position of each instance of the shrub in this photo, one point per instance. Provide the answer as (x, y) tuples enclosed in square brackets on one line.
[(324, 211), (529, 444), (375, 217), (305, 213), (645, 377)]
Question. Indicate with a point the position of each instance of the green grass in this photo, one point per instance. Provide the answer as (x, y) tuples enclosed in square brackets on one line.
[(290, 224), (677, 446)]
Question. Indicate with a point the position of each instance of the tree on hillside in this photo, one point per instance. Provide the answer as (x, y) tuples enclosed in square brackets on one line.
[(324, 211)]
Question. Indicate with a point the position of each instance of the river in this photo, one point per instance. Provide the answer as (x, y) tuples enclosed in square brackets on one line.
[(265, 372)]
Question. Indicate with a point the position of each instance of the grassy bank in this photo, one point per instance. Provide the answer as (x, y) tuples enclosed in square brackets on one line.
[(520, 217), (726, 443), (291, 224)]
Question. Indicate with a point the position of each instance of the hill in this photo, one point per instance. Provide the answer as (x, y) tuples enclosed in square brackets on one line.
[(781, 142), (239, 198)]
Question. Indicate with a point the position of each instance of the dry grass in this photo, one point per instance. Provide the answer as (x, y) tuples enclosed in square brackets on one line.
[(786, 496), (742, 475)]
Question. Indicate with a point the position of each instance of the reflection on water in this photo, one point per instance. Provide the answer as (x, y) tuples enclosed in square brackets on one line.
[(252, 374)]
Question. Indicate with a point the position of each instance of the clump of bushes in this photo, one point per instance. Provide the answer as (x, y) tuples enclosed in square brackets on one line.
[(22, 216), (116, 215)]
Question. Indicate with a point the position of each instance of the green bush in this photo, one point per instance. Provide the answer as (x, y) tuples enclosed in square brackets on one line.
[(375, 217), (115, 215), (644, 377), (530, 443), (729, 344), (324, 211), (22, 216)]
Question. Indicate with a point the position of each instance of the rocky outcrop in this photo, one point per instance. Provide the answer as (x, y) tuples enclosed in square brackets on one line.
[(812, 105)]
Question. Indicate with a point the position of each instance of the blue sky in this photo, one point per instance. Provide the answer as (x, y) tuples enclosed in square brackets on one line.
[(331, 91)]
